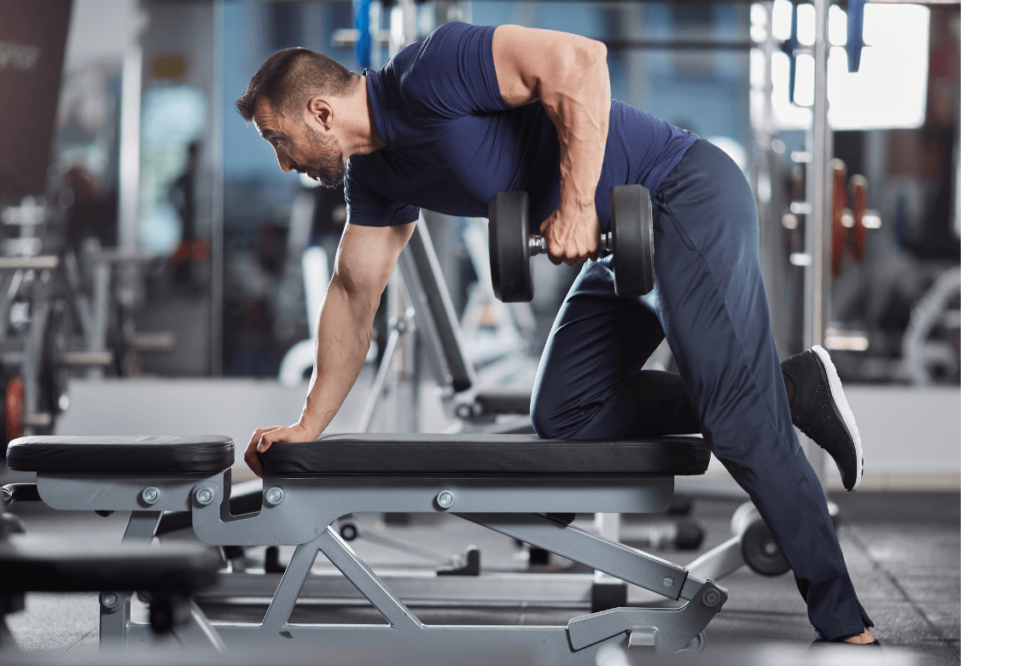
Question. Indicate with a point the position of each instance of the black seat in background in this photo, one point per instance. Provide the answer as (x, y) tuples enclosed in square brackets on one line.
[(499, 455), (54, 564), (504, 400), (200, 454)]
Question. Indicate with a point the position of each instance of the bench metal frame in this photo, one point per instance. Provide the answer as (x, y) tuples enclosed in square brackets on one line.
[(299, 512)]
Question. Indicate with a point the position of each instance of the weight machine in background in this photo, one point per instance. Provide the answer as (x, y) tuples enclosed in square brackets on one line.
[(56, 319)]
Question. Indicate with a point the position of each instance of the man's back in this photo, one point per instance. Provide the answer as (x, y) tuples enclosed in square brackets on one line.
[(452, 141)]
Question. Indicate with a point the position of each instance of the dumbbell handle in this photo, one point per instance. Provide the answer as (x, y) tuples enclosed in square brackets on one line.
[(540, 246)]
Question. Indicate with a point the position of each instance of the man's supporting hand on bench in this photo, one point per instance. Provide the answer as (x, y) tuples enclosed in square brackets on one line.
[(366, 258), (264, 437)]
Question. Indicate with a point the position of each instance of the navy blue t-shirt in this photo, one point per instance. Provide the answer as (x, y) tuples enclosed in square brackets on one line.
[(453, 142)]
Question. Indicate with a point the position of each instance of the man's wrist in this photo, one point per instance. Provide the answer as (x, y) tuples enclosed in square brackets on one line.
[(308, 428)]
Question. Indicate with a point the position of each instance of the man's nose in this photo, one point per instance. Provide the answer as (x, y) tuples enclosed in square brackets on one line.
[(284, 161)]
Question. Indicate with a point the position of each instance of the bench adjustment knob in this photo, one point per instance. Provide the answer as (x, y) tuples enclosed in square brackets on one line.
[(204, 495), (445, 499), (274, 496)]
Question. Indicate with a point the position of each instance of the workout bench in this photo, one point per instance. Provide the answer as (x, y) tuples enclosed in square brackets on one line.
[(516, 485)]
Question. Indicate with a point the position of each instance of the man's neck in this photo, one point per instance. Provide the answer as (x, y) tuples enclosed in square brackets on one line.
[(371, 139)]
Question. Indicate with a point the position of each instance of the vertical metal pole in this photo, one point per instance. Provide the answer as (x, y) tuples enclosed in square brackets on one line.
[(131, 149), (633, 27), (101, 312), (217, 216), (817, 282), (769, 189)]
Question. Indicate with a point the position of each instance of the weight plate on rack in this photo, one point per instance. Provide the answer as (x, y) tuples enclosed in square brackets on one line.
[(14, 408)]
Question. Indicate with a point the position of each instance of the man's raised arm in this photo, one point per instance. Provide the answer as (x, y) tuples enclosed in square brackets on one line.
[(569, 75), (366, 258)]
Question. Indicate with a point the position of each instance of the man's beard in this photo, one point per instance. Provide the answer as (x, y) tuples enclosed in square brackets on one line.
[(325, 165)]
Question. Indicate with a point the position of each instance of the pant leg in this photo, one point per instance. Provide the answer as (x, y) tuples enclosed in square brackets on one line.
[(709, 298), (590, 384)]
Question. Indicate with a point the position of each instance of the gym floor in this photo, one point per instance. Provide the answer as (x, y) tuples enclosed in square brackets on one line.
[(902, 549)]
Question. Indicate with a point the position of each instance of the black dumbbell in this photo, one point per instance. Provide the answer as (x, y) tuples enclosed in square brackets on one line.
[(631, 243)]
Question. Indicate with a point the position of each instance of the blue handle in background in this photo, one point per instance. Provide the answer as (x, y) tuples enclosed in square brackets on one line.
[(854, 33), (364, 46)]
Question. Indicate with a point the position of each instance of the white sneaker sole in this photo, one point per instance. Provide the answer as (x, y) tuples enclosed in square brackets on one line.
[(839, 397)]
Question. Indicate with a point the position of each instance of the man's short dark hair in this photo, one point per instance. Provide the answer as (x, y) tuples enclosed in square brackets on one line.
[(289, 78)]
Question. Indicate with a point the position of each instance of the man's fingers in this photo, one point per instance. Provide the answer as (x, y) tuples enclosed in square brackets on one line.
[(253, 462), (256, 435), (265, 441)]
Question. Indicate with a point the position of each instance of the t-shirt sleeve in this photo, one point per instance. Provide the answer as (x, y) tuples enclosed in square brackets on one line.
[(452, 72), (368, 209)]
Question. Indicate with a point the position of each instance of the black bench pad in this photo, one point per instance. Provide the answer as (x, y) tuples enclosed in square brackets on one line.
[(500, 455), (200, 454)]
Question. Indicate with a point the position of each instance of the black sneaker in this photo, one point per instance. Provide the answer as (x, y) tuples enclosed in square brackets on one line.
[(821, 412)]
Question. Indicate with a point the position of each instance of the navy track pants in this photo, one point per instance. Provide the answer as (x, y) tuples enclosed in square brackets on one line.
[(709, 302)]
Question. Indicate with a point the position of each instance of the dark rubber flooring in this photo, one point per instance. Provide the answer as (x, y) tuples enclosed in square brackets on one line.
[(903, 551)]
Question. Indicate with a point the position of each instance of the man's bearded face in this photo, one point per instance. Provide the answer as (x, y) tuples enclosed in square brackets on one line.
[(326, 163)]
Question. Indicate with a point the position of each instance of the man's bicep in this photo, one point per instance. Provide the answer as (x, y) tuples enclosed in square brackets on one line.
[(526, 57), (367, 257)]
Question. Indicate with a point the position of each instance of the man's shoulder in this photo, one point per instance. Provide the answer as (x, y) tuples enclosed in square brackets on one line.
[(436, 53)]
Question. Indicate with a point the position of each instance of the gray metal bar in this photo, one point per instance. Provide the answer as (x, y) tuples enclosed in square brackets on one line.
[(818, 230), (628, 564), (386, 362), (384, 645), (367, 582), (10, 292), (114, 616), (291, 584), (31, 360), (408, 547), (419, 588), (196, 631), (28, 263), (141, 526), (104, 493), (311, 504), (675, 628), (217, 214), (718, 562), (96, 336)]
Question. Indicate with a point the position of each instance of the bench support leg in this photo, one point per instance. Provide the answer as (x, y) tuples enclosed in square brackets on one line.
[(115, 607), (622, 562), (349, 564)]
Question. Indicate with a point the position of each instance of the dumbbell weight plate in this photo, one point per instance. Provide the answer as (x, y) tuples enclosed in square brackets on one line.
[(632, 227), (508, 233)]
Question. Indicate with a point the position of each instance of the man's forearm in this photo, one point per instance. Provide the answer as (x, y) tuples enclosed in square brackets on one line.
[(342, 342), (578, 101)]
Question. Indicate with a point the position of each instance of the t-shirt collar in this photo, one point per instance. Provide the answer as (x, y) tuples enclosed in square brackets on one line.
[(376, 97)]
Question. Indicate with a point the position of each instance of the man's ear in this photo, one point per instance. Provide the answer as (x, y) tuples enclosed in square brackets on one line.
[(322, 112)]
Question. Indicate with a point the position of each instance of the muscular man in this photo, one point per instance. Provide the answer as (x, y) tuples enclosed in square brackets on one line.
[(471, 111)]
